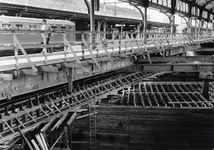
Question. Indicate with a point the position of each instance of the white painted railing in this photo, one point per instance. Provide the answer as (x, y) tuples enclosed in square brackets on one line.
[(79, 48)]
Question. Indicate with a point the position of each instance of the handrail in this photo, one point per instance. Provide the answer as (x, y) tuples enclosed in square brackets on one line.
[(116, 43)]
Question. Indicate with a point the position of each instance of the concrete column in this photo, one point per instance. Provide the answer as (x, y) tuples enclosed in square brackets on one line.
[(145, 25), (189, 25)]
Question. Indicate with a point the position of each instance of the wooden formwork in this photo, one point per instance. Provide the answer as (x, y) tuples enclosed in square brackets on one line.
[(135, 127)]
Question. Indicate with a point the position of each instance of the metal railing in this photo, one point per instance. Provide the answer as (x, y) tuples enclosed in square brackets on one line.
[(79, 45)]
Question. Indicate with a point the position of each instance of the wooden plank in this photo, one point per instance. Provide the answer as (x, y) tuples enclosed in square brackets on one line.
[(39, 140), (49, 125), (17, 146), (179, 67), (32, 65), (84, 116), (71, 65), (90, 61), (59, 122), (26, 140), (48, 69), (6, 77), (69, 122), (204, 58), (70, 80), (43, 141), (93, 57), (28, 72), (35, 144), (103, 59)]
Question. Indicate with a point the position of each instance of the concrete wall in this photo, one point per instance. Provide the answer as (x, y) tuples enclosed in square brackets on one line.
[(27, 83)]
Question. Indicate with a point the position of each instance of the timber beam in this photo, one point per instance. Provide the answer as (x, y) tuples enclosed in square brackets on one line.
[(71, 65), (28, 71), (204, 58), (179, 67), (6, 77), (48, 68)]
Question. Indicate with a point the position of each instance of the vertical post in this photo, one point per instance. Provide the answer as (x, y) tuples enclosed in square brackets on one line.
[(92, 23), (25, 139), (138, 31), (98, 29), (104, 29), (145, 25), (70, 129), (189, 24), (65, 136), (212, 28), (207, 31), (70, 79), (172, 24), (206, 89), (16, 55), (196, 16), (196, 28), (199, 27), (1, 124)]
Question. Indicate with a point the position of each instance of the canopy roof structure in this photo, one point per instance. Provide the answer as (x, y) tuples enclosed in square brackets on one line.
[(198, 9)]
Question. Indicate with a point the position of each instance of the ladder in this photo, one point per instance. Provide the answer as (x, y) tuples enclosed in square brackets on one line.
[(92, 124)]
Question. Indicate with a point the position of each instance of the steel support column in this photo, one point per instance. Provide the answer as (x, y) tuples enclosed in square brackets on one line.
[(92, 24), (172, 23), (145, 25)]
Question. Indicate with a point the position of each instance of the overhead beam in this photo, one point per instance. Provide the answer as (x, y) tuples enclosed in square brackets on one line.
[(208, 2), (179, 67), (204, 58)]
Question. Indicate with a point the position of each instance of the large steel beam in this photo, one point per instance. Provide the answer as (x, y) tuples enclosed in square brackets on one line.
[(179, 67), (204, 58)]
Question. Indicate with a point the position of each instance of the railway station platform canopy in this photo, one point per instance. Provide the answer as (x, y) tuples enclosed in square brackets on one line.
[(198, 9)]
